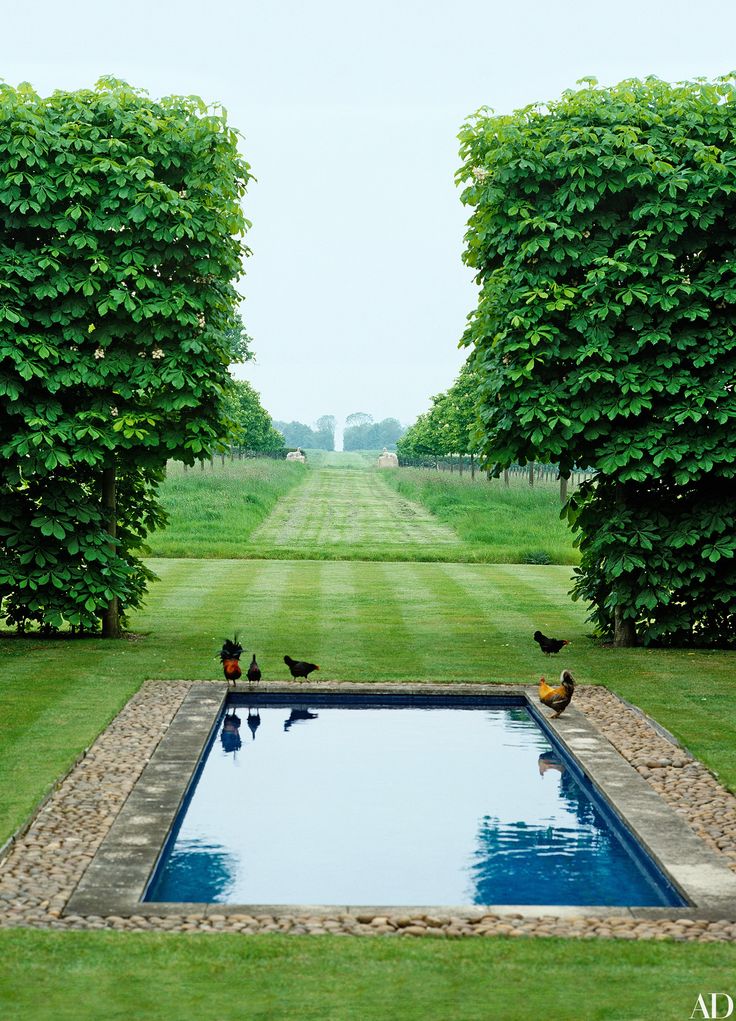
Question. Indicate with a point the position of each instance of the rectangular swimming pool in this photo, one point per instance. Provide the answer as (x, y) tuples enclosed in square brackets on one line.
[(396, 800)]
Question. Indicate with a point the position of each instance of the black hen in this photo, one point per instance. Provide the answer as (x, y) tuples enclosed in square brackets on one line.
[(549, 645), (299, 668), (230, 654), (254, 671)]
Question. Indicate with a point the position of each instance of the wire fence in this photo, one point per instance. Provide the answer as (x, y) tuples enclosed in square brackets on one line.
[(234, 453), (533, 473)]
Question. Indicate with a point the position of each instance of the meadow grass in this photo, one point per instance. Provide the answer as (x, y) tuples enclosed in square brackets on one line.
[(213, 509), (514, 525), (222, 977), (341, 507)]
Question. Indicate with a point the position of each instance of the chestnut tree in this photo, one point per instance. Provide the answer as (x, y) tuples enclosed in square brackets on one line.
[(601, 232), (121, 233)]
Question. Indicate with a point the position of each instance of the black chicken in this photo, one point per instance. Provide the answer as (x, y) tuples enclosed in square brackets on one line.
[(549, 645), (254, 671), (299, 668)]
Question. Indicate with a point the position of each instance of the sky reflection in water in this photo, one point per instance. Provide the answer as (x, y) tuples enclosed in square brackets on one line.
[(315, 805)]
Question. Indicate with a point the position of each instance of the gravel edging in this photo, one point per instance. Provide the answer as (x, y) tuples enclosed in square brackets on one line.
[(48, 857)]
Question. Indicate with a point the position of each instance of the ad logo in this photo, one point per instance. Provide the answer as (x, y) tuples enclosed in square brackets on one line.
[(707, 1006)]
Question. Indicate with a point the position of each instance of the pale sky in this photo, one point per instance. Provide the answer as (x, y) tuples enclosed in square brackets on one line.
[(356, 295)]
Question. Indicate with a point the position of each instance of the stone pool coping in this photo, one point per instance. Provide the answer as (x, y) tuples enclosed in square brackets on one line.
[(42, 865), (116, 879)]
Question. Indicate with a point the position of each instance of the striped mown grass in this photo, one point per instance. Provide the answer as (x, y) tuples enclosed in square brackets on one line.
[(360, 621)]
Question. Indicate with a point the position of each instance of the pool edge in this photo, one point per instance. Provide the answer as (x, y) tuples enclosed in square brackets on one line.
[(132, 846)]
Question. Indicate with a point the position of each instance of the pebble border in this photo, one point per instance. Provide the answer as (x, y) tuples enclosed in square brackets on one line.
[(46, 860)]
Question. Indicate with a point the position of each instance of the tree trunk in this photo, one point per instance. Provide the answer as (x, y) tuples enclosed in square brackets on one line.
[(472, 467), (624, 630), (531, 474), (506, 477), (563, 489), (111, 615)]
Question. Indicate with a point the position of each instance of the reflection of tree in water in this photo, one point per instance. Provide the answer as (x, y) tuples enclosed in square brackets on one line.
[(573, 863), (196, 872)]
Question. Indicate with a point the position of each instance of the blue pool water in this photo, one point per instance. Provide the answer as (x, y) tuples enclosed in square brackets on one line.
[(381, 803)]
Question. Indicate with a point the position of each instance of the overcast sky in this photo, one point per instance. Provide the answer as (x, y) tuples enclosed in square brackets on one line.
[(356, 295)]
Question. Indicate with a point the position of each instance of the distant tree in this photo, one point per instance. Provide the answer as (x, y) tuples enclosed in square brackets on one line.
[(238, 340), (297, 434), (252, 424), (602, 236), (358, 418), (120, 241), (388, 431), (370, 435), (324, 432)]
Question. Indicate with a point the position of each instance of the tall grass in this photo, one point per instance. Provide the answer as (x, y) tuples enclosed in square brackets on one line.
[(518, 524), (212, 511)]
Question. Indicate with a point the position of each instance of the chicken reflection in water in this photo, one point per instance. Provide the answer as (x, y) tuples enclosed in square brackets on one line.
[(298, 714), (253, 721), (549, 760), (230, 733)]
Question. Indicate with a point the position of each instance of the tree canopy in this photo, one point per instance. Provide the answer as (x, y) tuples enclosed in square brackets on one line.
[(120, 242), (252, 425), (297, 434), (362, 433), (601, 233)]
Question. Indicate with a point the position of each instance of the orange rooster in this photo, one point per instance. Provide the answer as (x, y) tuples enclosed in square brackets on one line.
[(558, 698), (230, 654)]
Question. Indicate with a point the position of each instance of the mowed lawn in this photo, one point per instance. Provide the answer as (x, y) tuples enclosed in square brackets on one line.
[(172, 977), (360, 620)]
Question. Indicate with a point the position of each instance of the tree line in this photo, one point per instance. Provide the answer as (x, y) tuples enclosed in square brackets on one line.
[(600, 233)]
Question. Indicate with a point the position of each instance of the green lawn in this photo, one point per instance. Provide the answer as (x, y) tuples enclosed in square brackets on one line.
[(137, 977), (361, 620)]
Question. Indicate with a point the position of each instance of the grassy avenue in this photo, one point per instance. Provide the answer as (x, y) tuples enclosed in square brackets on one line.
[(375, 576)]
